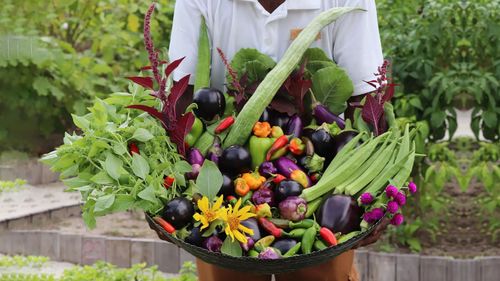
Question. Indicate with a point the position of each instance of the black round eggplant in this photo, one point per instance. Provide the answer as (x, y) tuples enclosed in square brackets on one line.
[(340, 213), (227, 186), (284, 245), (286, 189), (235, 160), (210, 102), (342, 139), (323, 143), (253, 225), (275, 118), (178, 212), (195, 237)]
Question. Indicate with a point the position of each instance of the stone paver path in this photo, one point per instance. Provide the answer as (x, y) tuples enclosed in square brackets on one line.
[(30, 200)]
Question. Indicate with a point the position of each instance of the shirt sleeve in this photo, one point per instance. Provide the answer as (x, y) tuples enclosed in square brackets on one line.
[(356, 46), (184, 36)]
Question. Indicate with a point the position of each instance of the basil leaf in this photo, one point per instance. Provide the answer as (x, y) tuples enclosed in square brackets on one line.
[(209, 180), (113, 166), (142, 134), (140, 166), (81, 122), (123, 202), (102, 178), (103, 203), (231, 248), (148, 194), (182, 167)]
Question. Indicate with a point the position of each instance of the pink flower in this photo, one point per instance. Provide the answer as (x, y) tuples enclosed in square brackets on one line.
[(366, 198), (412, 187), (378, 213), (391, 191), (392, 207), (400, 198), (398, 219)]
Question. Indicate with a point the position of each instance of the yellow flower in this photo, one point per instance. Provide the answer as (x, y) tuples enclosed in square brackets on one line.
[(233, 218), (208, 213)]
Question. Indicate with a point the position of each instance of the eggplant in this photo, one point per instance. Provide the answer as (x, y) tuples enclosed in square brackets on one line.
[(227, 186), (340, 213), (342, 139), (267, 169), (293, 208), (194, 237), (253, 225), (270, 253), (284, 245), (286, 189), (248, 245), (323, 115), (294, 126), (210, 103), (285, 166), (235, 160), (195, 157), (213, 244), (216, 151), (195, 170), (263, 195), (274, 118), (178, 212), (323, 143)]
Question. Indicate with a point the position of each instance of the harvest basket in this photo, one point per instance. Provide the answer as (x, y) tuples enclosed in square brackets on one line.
[(264, 266)]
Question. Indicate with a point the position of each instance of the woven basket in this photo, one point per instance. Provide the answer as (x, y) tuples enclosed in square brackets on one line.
[(263, 266)]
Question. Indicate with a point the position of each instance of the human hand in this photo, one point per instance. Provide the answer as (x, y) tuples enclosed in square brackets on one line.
[(375, 235)]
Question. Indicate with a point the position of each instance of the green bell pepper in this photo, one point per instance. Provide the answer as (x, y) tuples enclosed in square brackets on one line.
[(258, 148), (195, 132)]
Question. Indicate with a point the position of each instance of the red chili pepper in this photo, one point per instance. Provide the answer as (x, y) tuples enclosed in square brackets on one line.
[(278, 178), (224, 124), (297, 147), (328, 236), (271, 228), (278, 143), (165, 225), (168, 182), (133, 148)]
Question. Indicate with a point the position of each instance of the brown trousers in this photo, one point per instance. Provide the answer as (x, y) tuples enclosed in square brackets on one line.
[(340, 268)]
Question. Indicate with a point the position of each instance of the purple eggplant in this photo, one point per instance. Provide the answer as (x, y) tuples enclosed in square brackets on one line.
[(294, 126), (213, 244), (283, 245), (340, 213), (267, 169), (195, 157), (216, 151), (342, 139), (287, 188), (285, 166), (195, 170), (178, 212), (269, 253), (194, 237), (227, 186), (235, 160), (323, 115), (263, 195), (323, 143), (253, 225), (248, 245), (293, 208)]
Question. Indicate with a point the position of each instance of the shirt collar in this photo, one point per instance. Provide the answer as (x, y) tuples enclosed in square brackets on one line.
[(295, 4)]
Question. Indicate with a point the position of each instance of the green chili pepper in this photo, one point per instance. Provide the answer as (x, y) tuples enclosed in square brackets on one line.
[(345, 238), (195, 132), (258, 148), (319, 245), (312, 207), (308, 240), (263, 243), (247, 196), (253, 253), (296, 233), (294, 250), (303, 223)]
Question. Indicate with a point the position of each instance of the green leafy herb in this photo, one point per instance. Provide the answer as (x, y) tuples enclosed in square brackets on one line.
[(209, 180)]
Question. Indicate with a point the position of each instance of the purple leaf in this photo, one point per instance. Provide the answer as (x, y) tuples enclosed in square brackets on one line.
[(297, 86), (179, 132), (176, 92), (152, 111), (146, 82), (172, 66), (372, 112)]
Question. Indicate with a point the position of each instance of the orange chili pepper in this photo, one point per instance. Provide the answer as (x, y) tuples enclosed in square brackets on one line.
[(253, 180), (241, 187), (165, 225), (262, 129)]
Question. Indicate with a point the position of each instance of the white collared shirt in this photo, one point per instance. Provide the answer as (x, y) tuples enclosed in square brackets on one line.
[(353, 41)]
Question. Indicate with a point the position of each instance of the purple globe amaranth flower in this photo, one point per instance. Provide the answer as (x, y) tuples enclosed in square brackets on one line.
[(392, 207), (366, 198), (398, 219), (377, 213), (391, 191), (412, 187), (400, 198), (368, 217)]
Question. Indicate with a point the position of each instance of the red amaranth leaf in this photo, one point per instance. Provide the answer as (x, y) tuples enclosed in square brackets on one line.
[(372, 112), (176, 92), (297, 86), (151, 111), (179, 132), (146, 82), (172, 66), (389, 92)]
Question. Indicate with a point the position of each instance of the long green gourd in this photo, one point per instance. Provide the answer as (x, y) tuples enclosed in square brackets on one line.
[(268, 88), (202, 77)]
